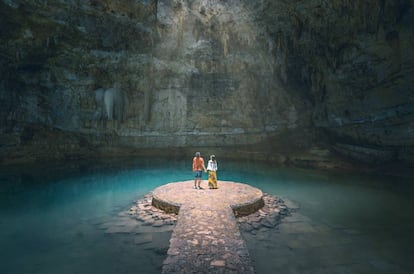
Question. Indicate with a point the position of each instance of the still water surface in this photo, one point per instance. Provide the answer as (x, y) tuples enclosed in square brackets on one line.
[(52, 219)]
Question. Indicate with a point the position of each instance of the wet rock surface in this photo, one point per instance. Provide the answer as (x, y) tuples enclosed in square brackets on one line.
[(269, 216), (144, 212)]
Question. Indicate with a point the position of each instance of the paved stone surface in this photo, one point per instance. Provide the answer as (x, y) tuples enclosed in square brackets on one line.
[(206, 238)]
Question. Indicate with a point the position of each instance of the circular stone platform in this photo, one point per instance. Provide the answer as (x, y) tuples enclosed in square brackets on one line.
[(206, 238), (242, 198)]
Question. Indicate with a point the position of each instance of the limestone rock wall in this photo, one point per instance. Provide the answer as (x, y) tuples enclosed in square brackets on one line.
[(291, 78), (354, 61)]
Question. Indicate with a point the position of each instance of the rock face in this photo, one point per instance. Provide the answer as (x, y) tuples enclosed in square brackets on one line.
[(296, 80), (354, 60)]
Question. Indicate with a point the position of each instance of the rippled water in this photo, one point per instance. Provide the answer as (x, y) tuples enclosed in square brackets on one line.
[(55, 219)]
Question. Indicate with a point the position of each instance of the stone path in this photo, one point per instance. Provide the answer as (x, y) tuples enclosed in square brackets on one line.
[(206, 238)]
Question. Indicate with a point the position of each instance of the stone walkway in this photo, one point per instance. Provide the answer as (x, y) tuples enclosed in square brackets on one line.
[(206, 238)]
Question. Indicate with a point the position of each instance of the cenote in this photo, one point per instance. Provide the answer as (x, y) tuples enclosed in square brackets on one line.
[(53, 218), (311, 101)]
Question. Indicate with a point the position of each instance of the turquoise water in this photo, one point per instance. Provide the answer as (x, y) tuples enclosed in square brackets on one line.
[(53, 219)]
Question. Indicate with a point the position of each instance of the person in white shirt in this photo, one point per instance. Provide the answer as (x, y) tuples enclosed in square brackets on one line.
[(212, 172)]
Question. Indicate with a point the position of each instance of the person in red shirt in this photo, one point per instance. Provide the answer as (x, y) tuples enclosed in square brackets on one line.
[(198, 167)]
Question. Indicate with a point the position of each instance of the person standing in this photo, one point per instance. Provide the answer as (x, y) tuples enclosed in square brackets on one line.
[(198, 167), (212, 172)]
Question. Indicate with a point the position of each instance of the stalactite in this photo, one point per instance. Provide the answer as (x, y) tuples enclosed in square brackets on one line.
[(196, 30), (180, 34), (298, 26), (225, 38), (154, 8)]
